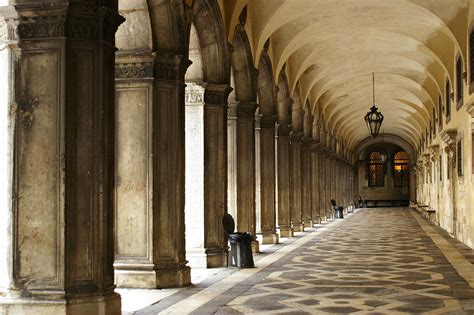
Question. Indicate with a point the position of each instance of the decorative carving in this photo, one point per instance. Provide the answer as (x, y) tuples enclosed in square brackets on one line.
[(138, 70), (267, 122), (194, 95), (246, 110), (232, 111), (171, 67), (73, 21), (283, 130), (217, 94), (27, 104)]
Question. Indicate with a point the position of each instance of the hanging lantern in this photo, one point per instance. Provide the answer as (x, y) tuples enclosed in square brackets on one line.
[(374, 118)]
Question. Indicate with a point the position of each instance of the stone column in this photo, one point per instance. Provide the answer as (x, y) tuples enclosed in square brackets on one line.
[(60, 196), (168, 169), (283, 181), (134, 243), (232, 160), (246, 220), (267, 180), (329, 184), (306, 183), (296, 182), (215, 173), (315, 182)]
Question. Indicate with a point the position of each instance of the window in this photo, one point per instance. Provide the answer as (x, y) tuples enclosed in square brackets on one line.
[(459, 83), (459, 156), (448, 101), (440, 113), (376, 167), (401, 169)]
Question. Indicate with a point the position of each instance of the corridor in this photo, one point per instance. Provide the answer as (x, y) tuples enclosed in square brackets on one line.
[(377, 261)]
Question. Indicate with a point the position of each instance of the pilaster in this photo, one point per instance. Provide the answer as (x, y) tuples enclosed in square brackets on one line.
[(306, 183), (283, 181), (215, 173), (246, 217), (63, 142)]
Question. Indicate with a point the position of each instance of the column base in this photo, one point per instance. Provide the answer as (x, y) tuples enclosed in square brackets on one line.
[(173, 278), (286, 232), (299, 227), (255, 247), (317, 221), (135, 278), (270, 238), (309, 224), (196, 258), (216, 257), (103, 305)]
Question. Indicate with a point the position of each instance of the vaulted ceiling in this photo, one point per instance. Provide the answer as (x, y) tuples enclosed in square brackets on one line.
[(332, 47)]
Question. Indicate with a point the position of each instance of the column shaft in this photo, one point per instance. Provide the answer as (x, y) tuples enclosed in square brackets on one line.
[(315, 183), (296, 182), (283, 181), (306, 183), (267, 180)]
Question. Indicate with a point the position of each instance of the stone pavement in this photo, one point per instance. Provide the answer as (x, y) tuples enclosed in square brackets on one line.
[(376, 261)]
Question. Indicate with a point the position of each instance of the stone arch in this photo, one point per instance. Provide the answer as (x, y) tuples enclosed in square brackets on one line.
[(245, 77), (283, 110), (402, 143), (210, 28), (265, 88)]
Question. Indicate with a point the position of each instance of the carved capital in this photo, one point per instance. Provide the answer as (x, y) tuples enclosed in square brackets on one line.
[(296, 137), (134, 67), (169, 67), (449, 137), (283, 130), (74, 20), (315, 146), (217, 94), (267, 122), (246, 110), (194, 95), (232, 110)]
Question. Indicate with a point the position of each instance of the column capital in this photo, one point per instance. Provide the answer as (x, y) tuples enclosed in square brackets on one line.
[(267, 121), (59, 20), (296, 137), (170, 67), (246, 110), (283, 130), (315, 146), (217, 94)]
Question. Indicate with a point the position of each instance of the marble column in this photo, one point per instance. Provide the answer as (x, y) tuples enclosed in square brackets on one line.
[(316, 181), (169, 169), (306, 183), (267, 180), (134, 243), (246, 219), (296, 182), (283, 181), (59, 204), (215, 173), (329, 184)]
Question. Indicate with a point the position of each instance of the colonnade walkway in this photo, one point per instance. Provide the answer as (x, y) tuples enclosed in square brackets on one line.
[(375, 261)]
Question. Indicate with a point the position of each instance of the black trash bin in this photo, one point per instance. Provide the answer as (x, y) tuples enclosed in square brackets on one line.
[(240, 254)]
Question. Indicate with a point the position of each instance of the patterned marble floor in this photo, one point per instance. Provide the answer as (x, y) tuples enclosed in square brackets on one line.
[(376, 261)]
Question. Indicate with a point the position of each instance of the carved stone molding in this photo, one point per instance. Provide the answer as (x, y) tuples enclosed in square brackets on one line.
[(267, 122), (246, 110), (217, 94), (139, 70), (170, 67), (232, 110)]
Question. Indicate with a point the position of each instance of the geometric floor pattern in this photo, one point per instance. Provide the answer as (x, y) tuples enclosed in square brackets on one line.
[(377, 261)]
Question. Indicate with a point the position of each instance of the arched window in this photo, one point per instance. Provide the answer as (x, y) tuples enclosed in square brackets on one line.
[(376, 169), (401, 169)]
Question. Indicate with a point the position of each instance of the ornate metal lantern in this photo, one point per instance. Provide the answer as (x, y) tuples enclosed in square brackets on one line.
[(373, 118)]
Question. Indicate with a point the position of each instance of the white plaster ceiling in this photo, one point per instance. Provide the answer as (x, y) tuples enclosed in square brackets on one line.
[(331, 47)]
